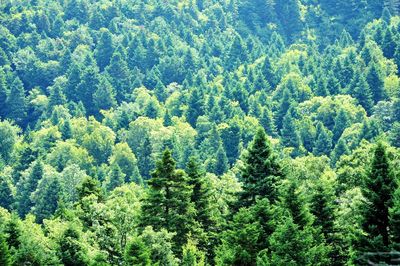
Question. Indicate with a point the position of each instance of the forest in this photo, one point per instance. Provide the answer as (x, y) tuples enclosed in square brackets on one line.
[(199, 132)]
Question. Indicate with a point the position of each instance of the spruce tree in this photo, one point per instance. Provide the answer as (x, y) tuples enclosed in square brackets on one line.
[(71, 252), (289, 135), (104, 49), (168, 204), (261, 171), (362, 92), (378, 190), (137, 253), (323, 143), (341, 123), (16, 103), (375, 81)]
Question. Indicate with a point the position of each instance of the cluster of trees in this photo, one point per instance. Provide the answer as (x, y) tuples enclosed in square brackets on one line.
[(199, 132)]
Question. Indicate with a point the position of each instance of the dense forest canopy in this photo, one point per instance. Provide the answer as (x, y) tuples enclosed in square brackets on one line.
[(199, 132)]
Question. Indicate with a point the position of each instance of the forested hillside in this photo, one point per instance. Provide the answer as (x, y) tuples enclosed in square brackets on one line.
[(199, 132)]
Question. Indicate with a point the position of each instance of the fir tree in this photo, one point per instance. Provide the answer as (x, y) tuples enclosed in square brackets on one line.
[(378, 191), (375, 80), (104, 49), (261, 172), (16, 103), (323, 143), (137, 253), (168, 204)]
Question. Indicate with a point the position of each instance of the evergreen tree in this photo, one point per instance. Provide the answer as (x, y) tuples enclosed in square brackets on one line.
[(16, 103), (284, 106), (261, 172), (167, 121), (87, 87), (168, 204), (289, 135), (375, 81), (378, 191), (362, 92), (3, 94), (120, 76), (6, 195), (56, 97), (5, 256), (71, 251), (341, 123), (267, 122), (27, 186), (137, 253), (103, 97), (323, 143), (195, 105), (104, 49), (116, 177)]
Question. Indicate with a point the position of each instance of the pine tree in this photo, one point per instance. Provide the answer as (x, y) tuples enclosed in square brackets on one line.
[(168, 204), (267, 122), (56, 97), (103, 97), (104, 49), (341, 123), (289, 135), (195, 109), (284, 106), (120, 76), (362, 92), (378, 191), (323, 143), (16, 103), (268, 72), (389, 44), (201, 198), (375, 81), (261, 172), (167, 121), (86, 88), (116, 177)]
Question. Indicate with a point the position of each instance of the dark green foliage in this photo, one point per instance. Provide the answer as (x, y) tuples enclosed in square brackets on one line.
[(323, 143), (137, 253), (27, 186), (261, 172), (168, 204), (16, 103), (70, 250), (378, 190)]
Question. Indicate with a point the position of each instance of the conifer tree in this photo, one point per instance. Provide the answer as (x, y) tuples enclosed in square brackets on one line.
[(341, 123), (261, 172), (323, 143), (375, 81), (27, 186), (362, 92), (104, 97), (16, 103), (378, 191), (5, 256), (3, 94), (168, 204), (104, 49), (71, 251), (289, 135), (137, 253)]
